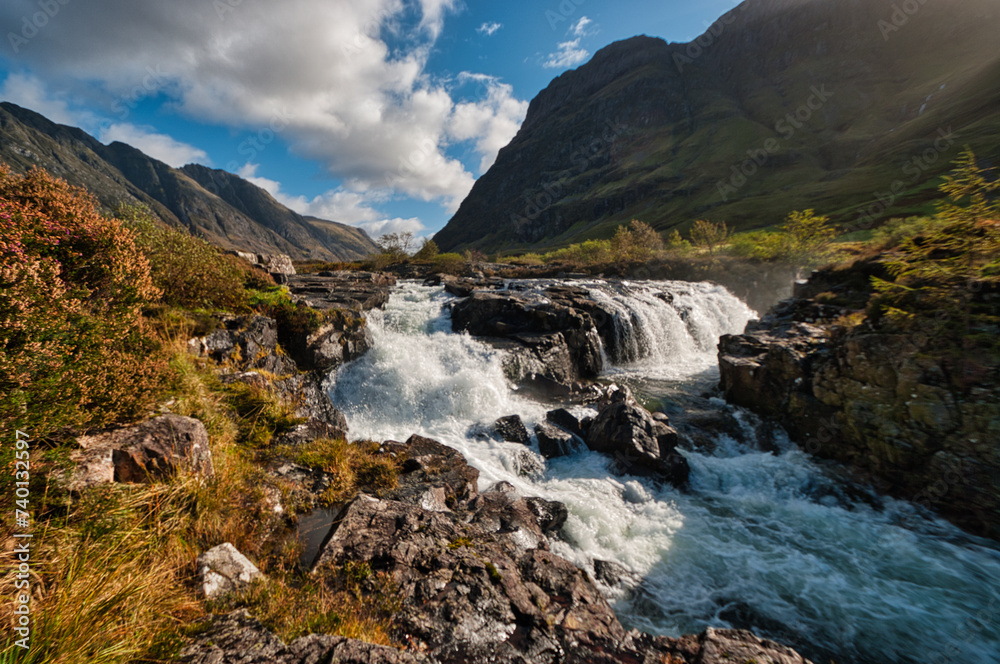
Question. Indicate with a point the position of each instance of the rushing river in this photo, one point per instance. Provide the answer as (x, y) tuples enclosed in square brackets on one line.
[(766, 540)]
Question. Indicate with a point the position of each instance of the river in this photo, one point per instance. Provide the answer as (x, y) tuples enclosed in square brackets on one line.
[(765, 539)]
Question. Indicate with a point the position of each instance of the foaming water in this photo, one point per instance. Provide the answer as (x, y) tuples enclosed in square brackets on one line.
[(761, 540)]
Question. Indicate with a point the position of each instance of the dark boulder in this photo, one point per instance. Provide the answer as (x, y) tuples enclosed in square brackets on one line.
[(566, 421), (511, 429), (552, 441), (637, 441)]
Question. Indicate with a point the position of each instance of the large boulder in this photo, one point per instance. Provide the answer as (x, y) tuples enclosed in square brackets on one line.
[(153, 450), (638, 442), (359, 291), (245, 343), (562, 338), (552, 441)]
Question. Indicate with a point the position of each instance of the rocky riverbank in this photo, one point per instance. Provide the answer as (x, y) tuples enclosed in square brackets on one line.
[(916, 415), (473, 571)]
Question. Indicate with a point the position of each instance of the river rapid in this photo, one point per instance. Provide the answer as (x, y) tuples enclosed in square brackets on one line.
[(765, 539)]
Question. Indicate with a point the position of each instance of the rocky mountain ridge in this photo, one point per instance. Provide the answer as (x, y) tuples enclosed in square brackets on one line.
[(850, 107), (224, 208)]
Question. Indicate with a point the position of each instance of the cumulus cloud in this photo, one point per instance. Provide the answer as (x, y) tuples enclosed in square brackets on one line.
[(356, 208), (345, 80), (29, 92), (489, 29), (159, 146), (569, 55)]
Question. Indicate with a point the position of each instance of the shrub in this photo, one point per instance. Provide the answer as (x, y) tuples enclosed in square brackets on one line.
[(449, 263), (189, 271), (428, 250), (764, 246), (74, 349), (810, 235), (709, 235), (637, 241)]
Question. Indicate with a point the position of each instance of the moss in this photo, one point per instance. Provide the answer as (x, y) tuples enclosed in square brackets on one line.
[(494, 573)]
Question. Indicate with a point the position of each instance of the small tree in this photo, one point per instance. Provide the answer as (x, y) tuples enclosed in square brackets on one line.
[(710, 235), (936, 274), (810, 234), (638, 241), (428, 250), (396, 244)]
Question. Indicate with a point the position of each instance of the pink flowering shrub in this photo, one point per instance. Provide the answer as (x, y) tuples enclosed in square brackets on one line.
[(74, 349)]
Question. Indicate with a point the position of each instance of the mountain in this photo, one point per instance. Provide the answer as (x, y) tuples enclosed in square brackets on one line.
[(851, 107), (219, 206)]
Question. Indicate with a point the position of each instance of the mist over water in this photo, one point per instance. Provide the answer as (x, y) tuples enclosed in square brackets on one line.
[(762, 540)]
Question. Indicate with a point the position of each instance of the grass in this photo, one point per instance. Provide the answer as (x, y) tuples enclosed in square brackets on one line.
[(114, 576)]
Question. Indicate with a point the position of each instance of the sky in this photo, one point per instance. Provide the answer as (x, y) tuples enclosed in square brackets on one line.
[(376, 113)]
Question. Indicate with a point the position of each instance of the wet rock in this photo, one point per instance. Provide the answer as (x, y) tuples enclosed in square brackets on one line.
[(511, 429), (552, 441), (639, 443), (550, 514), (612, 574), (566, 421), (223, 569), (528, 464), (561, 338), (153, 450), (427, 464)]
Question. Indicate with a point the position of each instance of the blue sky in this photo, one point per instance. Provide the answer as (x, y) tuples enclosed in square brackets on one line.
[(377, 113)]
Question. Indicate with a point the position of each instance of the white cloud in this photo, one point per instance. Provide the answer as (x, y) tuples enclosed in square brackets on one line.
[(158, 146), (489, 29), (569, 55), (344, 205), (345, 80), (29, 92), (579, 29), (491, 122)]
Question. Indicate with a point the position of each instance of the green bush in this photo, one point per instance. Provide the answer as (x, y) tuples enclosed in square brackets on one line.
[(449, 263), (74, 348), (189, 271)]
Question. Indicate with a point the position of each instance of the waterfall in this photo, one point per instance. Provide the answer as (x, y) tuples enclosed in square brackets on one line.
[(762, 540)]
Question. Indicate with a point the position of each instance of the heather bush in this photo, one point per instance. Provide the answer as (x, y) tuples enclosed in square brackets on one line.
[(74, 349), (189, 271)]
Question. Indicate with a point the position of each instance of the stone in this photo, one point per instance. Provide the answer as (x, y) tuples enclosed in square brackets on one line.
[(152, 450), (239, 638), (566, 421), (639, 443), (223, 569), (358, 291), (511, 429), (553, 442), (245, 342), (551, 514)]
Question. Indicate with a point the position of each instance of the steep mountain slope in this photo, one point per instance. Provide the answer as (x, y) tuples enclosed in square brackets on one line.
[(852, 107), (222, 207)]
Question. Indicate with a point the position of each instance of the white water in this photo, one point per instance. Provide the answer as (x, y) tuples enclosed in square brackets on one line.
[(761, 540)]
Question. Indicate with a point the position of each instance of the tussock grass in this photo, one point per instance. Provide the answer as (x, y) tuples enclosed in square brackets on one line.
[(114, 575)]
